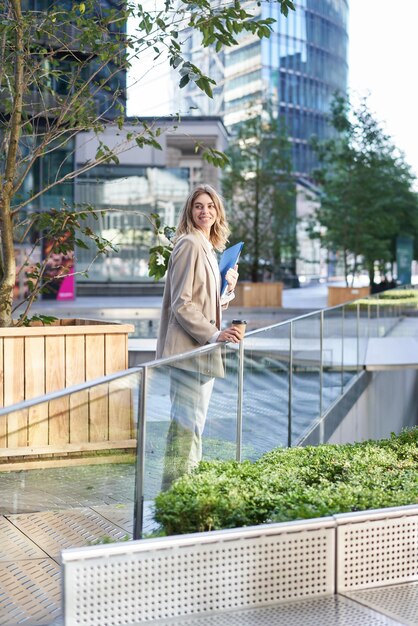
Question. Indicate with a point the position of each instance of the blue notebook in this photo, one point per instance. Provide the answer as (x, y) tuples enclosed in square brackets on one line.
[(229, 258)]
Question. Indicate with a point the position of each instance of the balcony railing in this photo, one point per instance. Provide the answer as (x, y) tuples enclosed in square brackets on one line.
[(277, 385)]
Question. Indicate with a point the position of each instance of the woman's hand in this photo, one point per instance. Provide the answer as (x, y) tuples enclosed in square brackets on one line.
[(229, 334), (232, 278)]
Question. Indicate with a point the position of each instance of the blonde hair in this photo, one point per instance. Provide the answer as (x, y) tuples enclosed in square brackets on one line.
[(220, 230)]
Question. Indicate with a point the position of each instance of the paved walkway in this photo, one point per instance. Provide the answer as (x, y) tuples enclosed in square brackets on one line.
[(44, 511)]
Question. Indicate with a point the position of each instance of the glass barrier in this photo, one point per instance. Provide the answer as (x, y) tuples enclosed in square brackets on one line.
[(394, 322), (69, 461), (351, 343), (190, 413), (332, 356), (266, 390), (387, 318), (306, 362), (374, 317), (220, 435), (363, 313)]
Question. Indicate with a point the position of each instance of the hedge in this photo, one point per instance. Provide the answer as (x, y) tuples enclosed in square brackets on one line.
[(293, 483), (401, 297)]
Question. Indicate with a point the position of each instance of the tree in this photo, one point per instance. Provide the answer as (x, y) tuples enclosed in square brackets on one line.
[(367, 191), (55, 66), (260, 189)]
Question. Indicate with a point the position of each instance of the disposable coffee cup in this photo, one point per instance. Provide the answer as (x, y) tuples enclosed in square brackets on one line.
[(241, 326)]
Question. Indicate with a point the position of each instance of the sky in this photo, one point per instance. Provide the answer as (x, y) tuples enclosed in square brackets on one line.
[(383, 57)]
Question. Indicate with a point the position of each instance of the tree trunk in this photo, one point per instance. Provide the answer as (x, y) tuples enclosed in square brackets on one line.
[(345, 267), (7, 255), (371, 275), (8, 264), (255, 266)]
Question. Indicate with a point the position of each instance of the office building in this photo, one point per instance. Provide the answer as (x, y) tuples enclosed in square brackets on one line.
[(50, 91), (299, 68)]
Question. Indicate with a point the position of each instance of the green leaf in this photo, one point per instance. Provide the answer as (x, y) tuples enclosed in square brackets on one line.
[(184, 81)]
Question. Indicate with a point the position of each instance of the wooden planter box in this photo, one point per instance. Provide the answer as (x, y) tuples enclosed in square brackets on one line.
[(248, 294), (40, 359), (339, 295)]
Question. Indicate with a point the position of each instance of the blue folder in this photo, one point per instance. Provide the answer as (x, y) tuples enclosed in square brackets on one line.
[(229, 258)]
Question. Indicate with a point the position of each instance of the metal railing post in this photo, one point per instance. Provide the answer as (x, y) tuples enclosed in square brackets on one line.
[(240, 399), (358, 338), (321, 374), (342, 347), (140, 459), (289, 403)]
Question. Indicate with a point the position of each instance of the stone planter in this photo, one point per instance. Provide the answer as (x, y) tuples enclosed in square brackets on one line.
[(37, 360), (267, 294)]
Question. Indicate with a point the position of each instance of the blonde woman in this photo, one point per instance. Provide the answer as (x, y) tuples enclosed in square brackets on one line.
[(191, 317)]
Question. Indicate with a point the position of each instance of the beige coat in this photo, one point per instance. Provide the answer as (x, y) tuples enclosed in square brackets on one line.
[(191, 310)]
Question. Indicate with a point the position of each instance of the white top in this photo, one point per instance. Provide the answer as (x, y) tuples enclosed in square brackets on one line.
[(214, 264)]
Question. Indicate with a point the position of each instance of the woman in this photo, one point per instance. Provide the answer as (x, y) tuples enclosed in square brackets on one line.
[(191, 317)]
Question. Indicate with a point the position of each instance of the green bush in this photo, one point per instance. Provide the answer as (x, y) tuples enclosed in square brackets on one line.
[(293, 483), (399, 294), (402, 297)]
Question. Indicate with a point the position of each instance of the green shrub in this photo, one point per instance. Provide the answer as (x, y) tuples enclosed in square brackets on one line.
[(399, 294), (293, 483), (401, 297)]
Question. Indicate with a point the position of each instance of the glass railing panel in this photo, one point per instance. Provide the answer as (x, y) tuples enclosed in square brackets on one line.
[(220, 433), (363, 332), (73, 453), (190, 415), (374, 321), (383, 318), (306, 375), (332, 356), (156, 424), (391, 317), (387, 317), (266, 390), (351, 342)]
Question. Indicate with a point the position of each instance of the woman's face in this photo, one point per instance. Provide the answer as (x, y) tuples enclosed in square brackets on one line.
[(204, 213)]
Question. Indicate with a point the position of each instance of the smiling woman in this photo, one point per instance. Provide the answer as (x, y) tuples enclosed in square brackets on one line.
[(191, 317)]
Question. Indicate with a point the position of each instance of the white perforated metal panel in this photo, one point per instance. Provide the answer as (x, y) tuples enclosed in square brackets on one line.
[(212, 572), (377, 552)]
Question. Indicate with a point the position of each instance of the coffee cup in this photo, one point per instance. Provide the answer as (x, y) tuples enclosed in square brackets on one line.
[(240, 325)]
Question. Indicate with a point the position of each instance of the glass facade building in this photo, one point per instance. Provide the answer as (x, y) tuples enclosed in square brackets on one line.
[(299, 68)]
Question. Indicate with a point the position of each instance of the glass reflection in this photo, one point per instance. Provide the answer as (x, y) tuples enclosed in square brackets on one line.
[(191, 409), (306, 375), (266, 390), (129, 195)]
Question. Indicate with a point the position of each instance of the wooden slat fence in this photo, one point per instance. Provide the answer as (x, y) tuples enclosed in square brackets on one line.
[(41, 359)]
